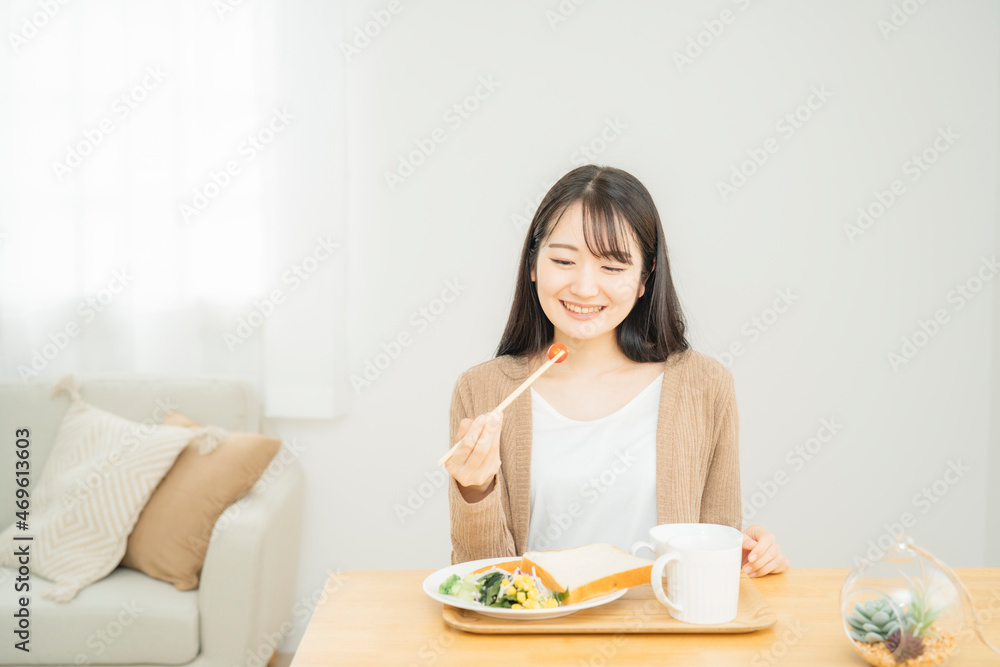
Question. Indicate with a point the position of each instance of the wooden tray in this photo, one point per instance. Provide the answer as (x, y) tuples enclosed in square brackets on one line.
[(635, 612)]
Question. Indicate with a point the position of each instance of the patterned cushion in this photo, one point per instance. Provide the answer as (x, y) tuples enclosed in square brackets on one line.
[(101, 472)]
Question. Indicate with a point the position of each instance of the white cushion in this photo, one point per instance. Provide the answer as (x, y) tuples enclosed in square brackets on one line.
[(99, 476), (125, 618)]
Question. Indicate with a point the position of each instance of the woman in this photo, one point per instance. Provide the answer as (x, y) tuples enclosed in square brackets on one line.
[(632, 430)]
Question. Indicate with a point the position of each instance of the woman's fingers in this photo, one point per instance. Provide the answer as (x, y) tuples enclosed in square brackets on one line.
[(473, 431), (468, 433), (776, 565), (463, 430), (772, 561), (766, 563), (782, 564), (487, 448), (478, 459), (480, 442), (764, 542), (762, 555), (762, 552)]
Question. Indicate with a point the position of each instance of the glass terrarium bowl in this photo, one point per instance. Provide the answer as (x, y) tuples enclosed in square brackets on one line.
[(901, 610)]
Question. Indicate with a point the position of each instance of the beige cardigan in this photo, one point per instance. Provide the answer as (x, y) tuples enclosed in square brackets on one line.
[(697, 453)]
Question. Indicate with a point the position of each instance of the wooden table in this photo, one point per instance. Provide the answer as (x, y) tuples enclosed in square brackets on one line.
[(382, 617)]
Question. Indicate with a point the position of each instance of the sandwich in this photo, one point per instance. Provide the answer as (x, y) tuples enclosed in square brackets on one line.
[(581, 573)]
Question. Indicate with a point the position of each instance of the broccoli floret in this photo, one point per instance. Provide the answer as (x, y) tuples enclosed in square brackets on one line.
[(450, 585)]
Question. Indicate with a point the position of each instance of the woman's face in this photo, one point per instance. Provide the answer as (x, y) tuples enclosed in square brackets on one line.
[(568, 275)]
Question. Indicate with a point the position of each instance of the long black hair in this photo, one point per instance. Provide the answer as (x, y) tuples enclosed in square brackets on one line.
[(615, 205)]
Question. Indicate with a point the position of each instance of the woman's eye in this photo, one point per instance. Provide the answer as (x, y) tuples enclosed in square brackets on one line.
[(563, 262)]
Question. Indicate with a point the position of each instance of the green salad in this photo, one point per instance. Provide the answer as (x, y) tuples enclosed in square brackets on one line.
[(499, 588)]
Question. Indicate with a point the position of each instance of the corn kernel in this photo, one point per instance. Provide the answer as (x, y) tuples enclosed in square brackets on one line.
[(550, 603), (531, 604), (516, 606), (510, 590), (532, 594), (521, 597), (504, 583)]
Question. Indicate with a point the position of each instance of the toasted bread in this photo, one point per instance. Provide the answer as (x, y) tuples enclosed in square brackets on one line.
[(509, 566), (586, 572)]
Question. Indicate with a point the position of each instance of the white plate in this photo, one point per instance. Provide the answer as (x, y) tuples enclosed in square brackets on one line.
[(432, 582)]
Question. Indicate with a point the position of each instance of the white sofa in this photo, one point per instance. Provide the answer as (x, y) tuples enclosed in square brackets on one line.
[(243, 607)]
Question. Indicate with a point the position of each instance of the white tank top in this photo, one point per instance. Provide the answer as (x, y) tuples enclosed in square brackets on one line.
[(593, 481)]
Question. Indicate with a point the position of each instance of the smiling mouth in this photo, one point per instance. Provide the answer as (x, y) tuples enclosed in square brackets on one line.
[(581, 311)]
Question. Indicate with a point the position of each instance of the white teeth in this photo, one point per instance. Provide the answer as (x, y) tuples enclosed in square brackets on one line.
[(582, 311)]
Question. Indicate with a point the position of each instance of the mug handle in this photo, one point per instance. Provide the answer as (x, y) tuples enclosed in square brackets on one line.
[(657, 580), (642, 545)]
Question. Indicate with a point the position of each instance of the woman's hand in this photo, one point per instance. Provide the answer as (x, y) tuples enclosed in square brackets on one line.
[(761, 553), (475, 463)]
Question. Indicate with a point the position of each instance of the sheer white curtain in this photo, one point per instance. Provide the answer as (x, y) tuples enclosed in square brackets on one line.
[(147, 151)]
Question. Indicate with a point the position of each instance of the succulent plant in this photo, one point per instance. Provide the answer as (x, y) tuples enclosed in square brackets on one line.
[(920, 614), (877, 621), (873, 621), (904, 646)]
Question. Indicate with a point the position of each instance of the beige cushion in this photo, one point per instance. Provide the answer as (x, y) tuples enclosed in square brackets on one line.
[(171, 538), (101, 471)]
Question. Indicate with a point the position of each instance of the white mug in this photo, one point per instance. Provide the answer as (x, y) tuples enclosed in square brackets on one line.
[(703, 570)]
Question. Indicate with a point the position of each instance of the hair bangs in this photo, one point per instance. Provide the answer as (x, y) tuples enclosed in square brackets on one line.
[(605, 230)]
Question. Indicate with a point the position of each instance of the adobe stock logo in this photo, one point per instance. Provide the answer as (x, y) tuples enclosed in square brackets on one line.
[(914, 167), (372, 28), (754, 327), (796, 458), (553, 526), (701, 42), (963, 292), (587, 153), (88, 309), (417, 496), (31, 25), (224, 7), (900, 16), (786, 126), (420, 320), (295, 277), (562, 12), (923, 500), (123, 106), (220, 179), (457, 114)]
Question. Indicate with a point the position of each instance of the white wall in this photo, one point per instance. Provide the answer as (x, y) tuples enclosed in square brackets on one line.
[(456, 218)]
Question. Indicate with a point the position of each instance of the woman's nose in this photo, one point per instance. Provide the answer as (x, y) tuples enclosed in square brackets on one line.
[(585, 283)]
